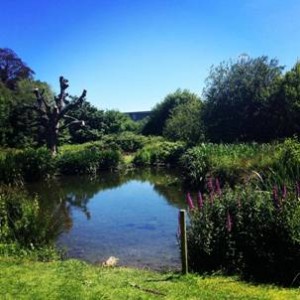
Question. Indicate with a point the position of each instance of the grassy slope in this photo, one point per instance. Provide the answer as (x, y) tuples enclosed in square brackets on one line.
[(77, 280)]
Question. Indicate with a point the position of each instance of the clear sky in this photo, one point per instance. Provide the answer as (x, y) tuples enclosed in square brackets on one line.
[(129, 54)]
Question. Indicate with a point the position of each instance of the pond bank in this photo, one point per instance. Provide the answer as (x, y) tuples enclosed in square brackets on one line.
[(73, 279)]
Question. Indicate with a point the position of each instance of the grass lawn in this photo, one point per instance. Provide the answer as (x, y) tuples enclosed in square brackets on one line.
[(73, 279)]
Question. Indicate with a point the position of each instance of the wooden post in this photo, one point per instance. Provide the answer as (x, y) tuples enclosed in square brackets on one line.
[(184, 260)]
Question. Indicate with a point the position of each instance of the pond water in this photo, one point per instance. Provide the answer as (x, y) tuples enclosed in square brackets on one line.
[(132, 216)]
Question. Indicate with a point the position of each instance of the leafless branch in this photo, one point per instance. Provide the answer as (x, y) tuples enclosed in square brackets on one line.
[(73, 104), (76, 122)]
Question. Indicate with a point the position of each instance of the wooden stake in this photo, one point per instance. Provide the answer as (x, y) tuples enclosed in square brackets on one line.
[(184, 260)]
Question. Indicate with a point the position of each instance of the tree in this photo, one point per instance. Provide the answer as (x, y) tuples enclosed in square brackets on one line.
[(117, 122), (51, 115), (5, 101), (24, 131), (12, 68), (238, 99), (162, 111), (286, 104), (185, 122), (94, 123)]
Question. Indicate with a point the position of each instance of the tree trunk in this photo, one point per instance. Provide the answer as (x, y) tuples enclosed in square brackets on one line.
[(52, 140)]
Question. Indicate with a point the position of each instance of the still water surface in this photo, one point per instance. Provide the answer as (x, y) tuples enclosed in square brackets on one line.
[(132, 216)]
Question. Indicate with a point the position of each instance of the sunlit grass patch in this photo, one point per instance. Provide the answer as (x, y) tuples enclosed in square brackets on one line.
[(73, 279)]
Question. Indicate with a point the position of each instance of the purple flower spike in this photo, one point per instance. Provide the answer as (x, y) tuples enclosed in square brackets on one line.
[(297, 190), (275, 197), (200, 200), (228, 222), (239, 203), (210, 185), (189, 201), (218, 188), (284, 192)]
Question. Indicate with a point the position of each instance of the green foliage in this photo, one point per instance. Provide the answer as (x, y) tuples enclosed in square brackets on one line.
[(285, 107), (232, 163), (28, 164), (196, 163), (159, 153), (117, 122), (20, 219), (94, 124), (290, 152), (20, 128), (162, 111), (88, 161), (185, 123), (247, 231), (12, 68), (126, 141), (5, 104), (99, 123), (285, 168), (35, 164), (238, 100)]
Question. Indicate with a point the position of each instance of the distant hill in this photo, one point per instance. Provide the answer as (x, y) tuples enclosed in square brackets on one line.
[(138, 115)]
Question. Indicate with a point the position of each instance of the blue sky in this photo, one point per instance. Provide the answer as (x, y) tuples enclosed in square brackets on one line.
[(129, 54)]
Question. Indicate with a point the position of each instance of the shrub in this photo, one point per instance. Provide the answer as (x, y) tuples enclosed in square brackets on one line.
[(160, 153), (35, 163), (10, 171), (254, 233), (126, 141), (88, 161), (232, 163), (29, 165), (20, 219), (196, 164)]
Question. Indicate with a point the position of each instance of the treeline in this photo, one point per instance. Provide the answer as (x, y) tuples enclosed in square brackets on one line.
[(249, 99), (19, 123)]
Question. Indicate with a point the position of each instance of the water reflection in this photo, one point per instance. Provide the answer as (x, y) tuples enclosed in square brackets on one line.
[(130, 215)]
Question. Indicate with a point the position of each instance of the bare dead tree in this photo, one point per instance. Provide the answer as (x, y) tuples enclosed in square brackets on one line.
[(52, 115)]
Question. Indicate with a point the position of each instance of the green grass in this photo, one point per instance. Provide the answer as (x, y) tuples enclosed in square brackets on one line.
[(77, 280)]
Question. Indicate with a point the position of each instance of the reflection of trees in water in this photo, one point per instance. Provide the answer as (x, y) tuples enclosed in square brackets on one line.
[(58, 196)]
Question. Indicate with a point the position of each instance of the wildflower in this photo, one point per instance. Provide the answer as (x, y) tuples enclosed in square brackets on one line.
[(210, 185), (200, 200), (275, 197), (297, 190), (218, 188), (284, 192), (239, 203), (228, 222), (189, 201)]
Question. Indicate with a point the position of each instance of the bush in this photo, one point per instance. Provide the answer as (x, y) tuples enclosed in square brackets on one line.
[(20, 219), (232, 163), (196, 164), (126, 141), (88, 161), (29, 165), (160, 153), (35, 163), (254, 233)]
